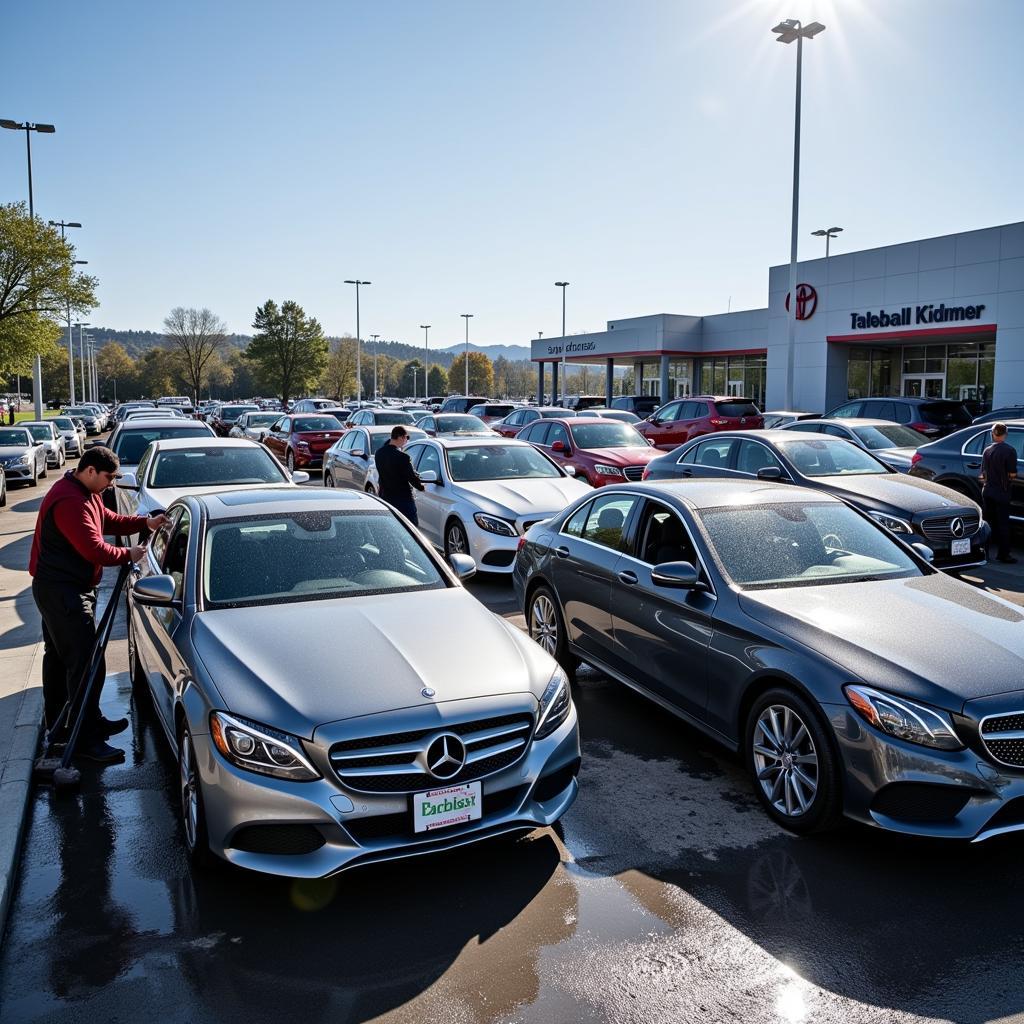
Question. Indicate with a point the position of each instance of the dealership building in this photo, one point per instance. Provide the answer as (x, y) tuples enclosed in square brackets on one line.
[(937, 318)]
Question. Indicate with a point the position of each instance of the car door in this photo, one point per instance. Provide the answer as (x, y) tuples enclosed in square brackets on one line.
[(753, 456), (662, 427), (557, 444), (277, 437), (427, 426), (587, 551), (661, 634), (434, 501), (359, 456), (338, 463)]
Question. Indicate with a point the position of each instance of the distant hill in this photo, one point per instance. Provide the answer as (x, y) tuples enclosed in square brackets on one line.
[(514, 353)]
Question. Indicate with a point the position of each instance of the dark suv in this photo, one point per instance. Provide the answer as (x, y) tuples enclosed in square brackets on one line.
[(457, 403), (580, 403), (686, 418), (639, 405), (933, 417)]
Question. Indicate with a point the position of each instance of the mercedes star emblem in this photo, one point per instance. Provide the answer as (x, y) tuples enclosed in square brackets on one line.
[(957, 527), (446, 756), (427, 692)]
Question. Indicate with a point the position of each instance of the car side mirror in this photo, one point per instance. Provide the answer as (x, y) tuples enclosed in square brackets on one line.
[(154, 591), (924, 551), (357, 453), (95, 443), (429, 476), (462, 565), (558, 446), (36, 444), (769, 473), (299, 477), (677, 576), (569, 470), (128, 481)]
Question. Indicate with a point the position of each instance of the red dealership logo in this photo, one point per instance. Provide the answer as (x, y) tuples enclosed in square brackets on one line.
[(806, 301)]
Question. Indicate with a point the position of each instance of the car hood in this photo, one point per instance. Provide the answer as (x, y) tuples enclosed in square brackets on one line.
[(511, 498), (8, 450), (900, 458), (638, 455), (304, 665), (930, 638), (898, 491)]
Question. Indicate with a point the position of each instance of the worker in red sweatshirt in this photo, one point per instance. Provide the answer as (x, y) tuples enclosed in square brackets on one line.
[(67, 560)]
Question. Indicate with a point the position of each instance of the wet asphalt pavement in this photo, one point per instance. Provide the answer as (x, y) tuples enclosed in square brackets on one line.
[(665, 895)]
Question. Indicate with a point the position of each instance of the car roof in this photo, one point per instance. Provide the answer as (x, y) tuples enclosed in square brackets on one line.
[(704, 492), (373, 429), (260, 501), (475, 442), (582, 420), (774, 434), (35, 423)]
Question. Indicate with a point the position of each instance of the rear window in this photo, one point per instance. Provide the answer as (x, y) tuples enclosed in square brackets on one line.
[(387, 419), (304, 424), (945, 413), (742, 407), (232, 412), (131, 444)]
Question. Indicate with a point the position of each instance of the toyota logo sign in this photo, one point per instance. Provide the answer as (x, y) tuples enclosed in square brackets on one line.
[(806, 301)]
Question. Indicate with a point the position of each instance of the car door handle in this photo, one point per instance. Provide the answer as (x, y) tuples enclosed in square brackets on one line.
[(628, 577), (686, 472), (973, 465), (562, 552)]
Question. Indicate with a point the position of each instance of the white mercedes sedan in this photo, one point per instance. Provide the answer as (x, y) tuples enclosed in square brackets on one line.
[(482, 495)]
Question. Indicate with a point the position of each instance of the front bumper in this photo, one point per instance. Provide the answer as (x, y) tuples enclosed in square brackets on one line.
[(16, 473), (978, 555), (908, 788), (531, 793)]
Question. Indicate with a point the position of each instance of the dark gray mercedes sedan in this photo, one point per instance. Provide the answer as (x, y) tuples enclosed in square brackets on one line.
[(852, 676)]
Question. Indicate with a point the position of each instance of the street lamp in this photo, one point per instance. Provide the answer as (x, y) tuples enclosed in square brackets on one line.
[(28, 129), (90, 341), (375, 337), (81, 353), (62, 224), (415, 370), (467, 317), (828, 234), (426, 355), (563, 285), (359, 351), (789, 31)]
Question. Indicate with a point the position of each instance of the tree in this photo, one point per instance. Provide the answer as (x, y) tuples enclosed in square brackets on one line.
[(407, 385), (243, 383), (197, 335), (339, 378), (157, 372), (289, 349), (481, 374), (437, 381), (38, 283)]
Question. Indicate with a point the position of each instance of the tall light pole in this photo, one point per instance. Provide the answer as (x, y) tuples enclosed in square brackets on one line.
[(468, 317), (375, 337), (28, 129), (359, 347), (81, 354), (828, 234), (90, 341), (563, 285), (426, 356), (62, 224), (789, 31), (415, 370)]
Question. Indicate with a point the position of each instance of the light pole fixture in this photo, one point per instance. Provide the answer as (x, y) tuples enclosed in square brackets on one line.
[(46, 129), (359, 347), (426, 355), (790, 31), (375, 337), (828, 234), (415, 370), (563, 285), (62, 224), (467, 317), (81, 353)]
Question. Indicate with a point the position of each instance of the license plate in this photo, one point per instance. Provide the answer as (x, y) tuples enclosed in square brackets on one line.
[(961, 547), (441, 808)]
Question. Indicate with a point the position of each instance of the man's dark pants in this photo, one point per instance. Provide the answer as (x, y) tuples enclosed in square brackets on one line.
[(406, 507), (997, 512), (69, 630)]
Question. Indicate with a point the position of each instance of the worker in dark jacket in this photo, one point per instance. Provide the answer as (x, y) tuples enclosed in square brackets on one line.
[(397, 477), (67, 560), (998, 471)]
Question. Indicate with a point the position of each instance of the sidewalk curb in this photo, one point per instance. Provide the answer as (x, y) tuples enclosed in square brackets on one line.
[(16, 787)]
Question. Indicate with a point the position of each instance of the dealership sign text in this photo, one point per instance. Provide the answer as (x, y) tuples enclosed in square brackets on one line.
[(926, 314)]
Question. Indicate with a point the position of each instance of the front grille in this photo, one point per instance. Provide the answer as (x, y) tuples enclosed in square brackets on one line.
[(633, 472), (1003, 736), (399, 826), (395, 762), (290, 840), (499, 559), (939, 528)]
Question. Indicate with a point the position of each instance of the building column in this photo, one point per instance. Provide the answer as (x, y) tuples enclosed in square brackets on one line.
[(609, 381), (665, 396), (540, 383), (554, 384)]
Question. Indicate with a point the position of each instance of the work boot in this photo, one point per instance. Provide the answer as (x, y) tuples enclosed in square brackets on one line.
[(100, 753), (107, 727)]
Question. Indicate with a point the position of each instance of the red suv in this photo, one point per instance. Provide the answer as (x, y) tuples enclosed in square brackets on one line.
[(602, 451), (678, 421), (300, 441)]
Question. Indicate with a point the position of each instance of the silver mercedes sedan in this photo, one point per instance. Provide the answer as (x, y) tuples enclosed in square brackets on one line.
[(333, 694)]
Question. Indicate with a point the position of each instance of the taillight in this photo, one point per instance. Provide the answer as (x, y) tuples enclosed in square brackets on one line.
[(915, 458), (720, 423), (924, 428)]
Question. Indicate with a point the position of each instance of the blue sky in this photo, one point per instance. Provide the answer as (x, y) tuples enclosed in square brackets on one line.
[(463, 155)]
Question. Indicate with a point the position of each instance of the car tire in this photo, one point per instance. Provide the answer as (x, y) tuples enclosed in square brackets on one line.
[(290, 461), (42, 475), (455, 540), (34, 482), (193, 813), (329, 480), (793, 763), (546, 627), (3, 493), (61, 459)]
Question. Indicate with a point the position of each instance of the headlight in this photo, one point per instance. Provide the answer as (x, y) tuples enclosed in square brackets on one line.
[(903, 719), (602, 470), (494, 525), (555, 705), (23, 460), (304, 445), (258, 748), (891, 523)]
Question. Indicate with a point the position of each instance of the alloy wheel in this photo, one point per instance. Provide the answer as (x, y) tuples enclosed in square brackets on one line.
[(328, 479), (544, 624), (785, 760), (189, 790), (456, 541), (291, 463)]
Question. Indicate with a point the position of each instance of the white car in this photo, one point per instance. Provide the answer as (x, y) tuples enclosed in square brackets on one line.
[(254, 425), (53, 440), (482, 495), (73, 435), (191, 465)]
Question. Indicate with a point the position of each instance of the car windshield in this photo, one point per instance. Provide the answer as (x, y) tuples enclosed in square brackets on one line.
[(306, 424), (78, 411), (130, 445), (14, 438), (388, 419), (499, 462), (261, 419), (888, 436), (64, 423), (557, 414), (213, 467), (307, 556), (826, 456), (607, 435), (791, 544), (378, 440), (461, 424), (41, 431)]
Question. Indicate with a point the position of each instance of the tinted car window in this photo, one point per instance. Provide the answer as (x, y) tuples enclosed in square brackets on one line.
[(41, 432), (714, 454), (753, 456), (209, 467), (131, 444), (945, 413), (848, 411), (699, 411), (670, 412), (807, 428), (430, 461), (559, 414), (575, 523), (884, 411), (663, 538), (895, 436), (230, 413), (306, 424), (737, 408), (606, 520), (904, 413), (827, 457), (977, 444), (836, 431), (348, 441), (537, 433), (15, 437), (556, 432), (390, 419), (158, 545), (462, 424)]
